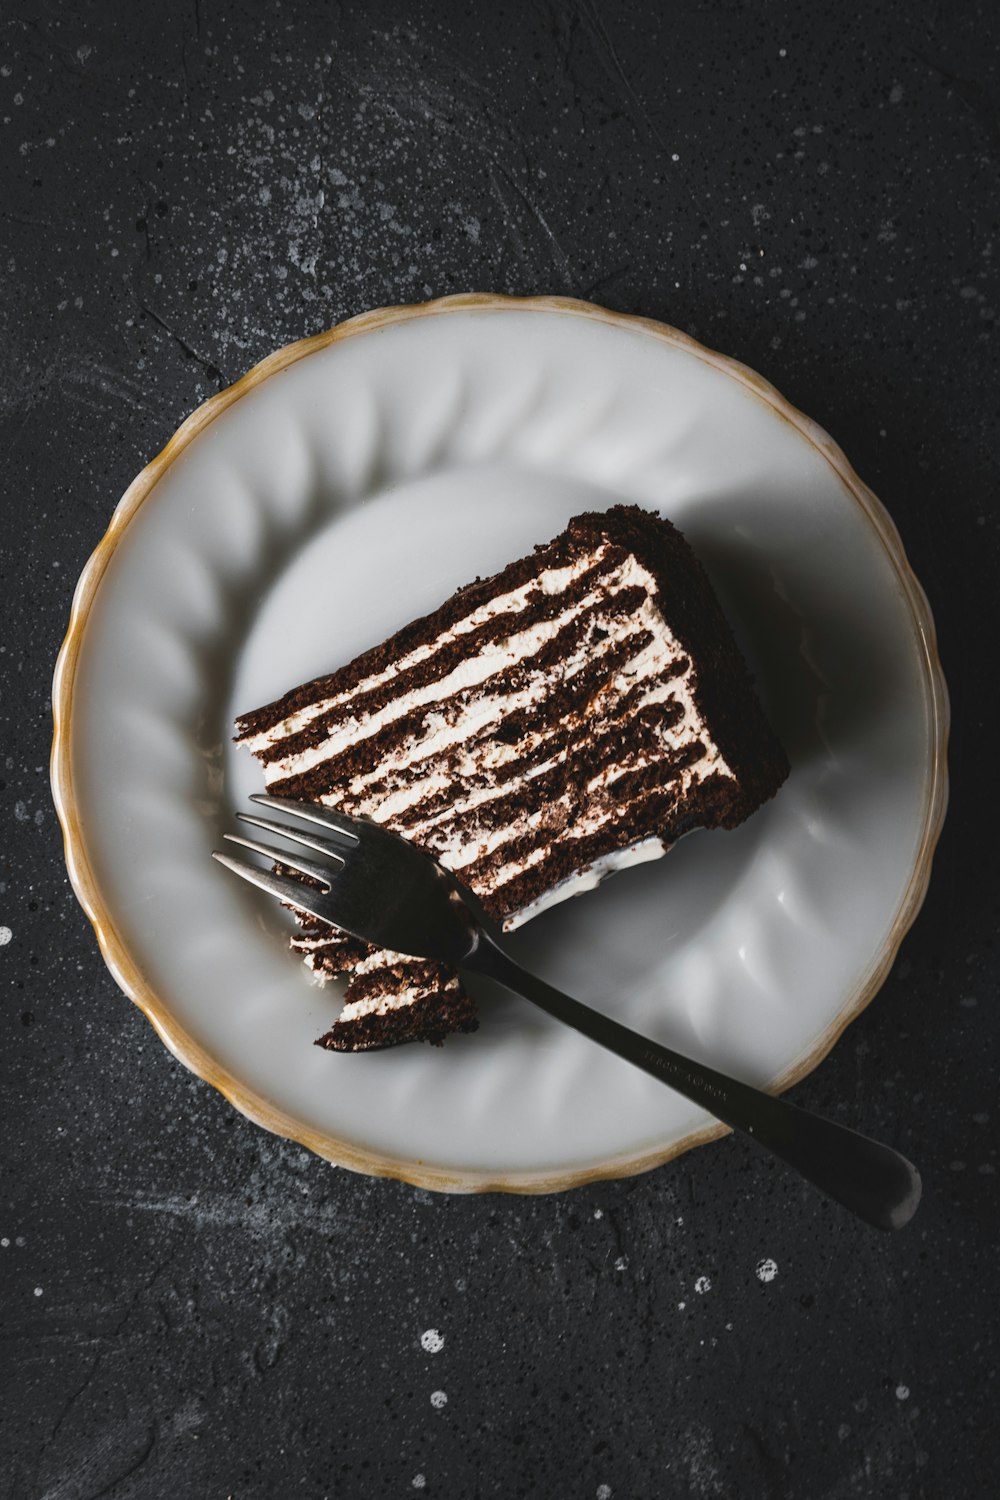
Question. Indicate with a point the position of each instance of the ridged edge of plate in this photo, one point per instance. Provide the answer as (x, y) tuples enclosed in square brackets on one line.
[(126, 972)]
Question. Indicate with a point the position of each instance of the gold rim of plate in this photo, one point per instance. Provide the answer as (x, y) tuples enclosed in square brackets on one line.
[(124, 968)]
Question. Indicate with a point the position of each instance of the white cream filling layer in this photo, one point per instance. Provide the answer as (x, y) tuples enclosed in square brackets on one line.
[(381, 1005), (381, 958), (552, 581), (589, 879)]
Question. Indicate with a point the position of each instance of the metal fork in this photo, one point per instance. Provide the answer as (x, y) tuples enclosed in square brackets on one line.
[(377, 886)]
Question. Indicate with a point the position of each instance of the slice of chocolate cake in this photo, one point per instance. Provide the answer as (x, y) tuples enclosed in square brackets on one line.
[(572, 715)]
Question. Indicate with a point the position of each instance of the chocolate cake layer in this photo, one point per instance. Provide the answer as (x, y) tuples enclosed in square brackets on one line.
[(574, 714)]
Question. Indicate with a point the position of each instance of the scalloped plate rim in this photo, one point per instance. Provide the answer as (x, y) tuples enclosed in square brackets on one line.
[(127, 973)]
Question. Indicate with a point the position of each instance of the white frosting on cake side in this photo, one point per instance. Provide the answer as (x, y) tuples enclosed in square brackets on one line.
[(589, 879)]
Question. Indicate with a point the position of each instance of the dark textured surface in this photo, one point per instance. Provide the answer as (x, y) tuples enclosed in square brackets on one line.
[(192, 1308)]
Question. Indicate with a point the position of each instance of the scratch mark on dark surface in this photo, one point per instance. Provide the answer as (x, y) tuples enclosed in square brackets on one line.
[(606, 280), (141, 1458), (52, 49), (187, 76), (26, 220), (563, 29), (974, 95), (559, 256), (84, 375), (608, 57), (109, 1342), (605, 49), (211, 370), (224, 1210), (513, 233), (771, 1469)]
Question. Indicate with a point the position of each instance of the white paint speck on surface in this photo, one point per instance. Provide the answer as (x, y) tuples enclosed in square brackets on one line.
[(432, 1341), (767, 1269), (598, 1213), (5, 1242), (604, 1492), (418, 1481), (38, 1291), (621, 1264), (703, 1284), (902, 1393), (438, 1400), (5, 936), (681, 1306)]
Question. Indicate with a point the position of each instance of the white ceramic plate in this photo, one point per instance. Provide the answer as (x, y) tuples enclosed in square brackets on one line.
[(349, 484)]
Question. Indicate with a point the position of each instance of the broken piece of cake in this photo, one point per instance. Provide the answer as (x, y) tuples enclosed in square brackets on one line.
[(573, 715)]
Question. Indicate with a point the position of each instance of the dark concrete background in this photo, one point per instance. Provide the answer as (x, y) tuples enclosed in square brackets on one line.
[(193, 1308)]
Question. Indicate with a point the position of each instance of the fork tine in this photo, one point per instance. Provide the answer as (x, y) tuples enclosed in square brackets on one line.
[(294, 861), (289, 831), (338, 823), (293, 891)]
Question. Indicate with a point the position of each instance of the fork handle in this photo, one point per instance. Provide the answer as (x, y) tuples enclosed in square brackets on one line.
[(870, 1179)]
